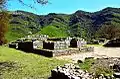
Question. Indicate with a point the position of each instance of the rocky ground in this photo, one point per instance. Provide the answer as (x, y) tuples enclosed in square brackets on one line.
[(99, 51), (100, 68), (107, 63)]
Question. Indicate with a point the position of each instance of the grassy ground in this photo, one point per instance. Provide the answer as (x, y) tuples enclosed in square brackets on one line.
[(16, 64), (96, 45), (96, 66), (87, 64)]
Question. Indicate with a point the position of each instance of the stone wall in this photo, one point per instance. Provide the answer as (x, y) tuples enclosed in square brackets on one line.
[(50, 49), (13, 45), (57, 45), (69, 51), (77, 43), (25, 46), (66, 52), (37, 44), (86, 49), (38, 37), (42, 41), (70, 71), (43, 52), (48, 45)]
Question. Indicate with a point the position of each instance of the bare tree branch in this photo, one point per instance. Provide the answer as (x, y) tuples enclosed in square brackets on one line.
[(42, 2), (3, 4)]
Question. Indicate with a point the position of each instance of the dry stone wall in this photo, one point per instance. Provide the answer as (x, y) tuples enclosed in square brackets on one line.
[(38, 37), (13, 45), (37, 43), (69, 51), (57, 45), (25, 46), (60, 45), (70, 71)]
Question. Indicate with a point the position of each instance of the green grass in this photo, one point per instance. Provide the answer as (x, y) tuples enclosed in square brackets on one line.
[(26, 65), (11, 36), (18, 32), (86, 65), (90, 66)]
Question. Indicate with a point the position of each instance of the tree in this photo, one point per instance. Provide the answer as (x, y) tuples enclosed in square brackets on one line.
[(109, 32), (4, 21)]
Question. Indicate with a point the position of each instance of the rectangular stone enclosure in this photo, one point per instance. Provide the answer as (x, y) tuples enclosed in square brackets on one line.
[(50, 46)]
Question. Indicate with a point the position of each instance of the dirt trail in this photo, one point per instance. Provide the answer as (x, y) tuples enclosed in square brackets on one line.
[(98, 52), (110, 52)]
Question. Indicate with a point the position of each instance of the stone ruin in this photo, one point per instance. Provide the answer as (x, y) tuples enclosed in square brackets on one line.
[(63, 43), (37, 41), (57, 45), (77, 43), (70, 71), (37, 37), (37, 44), (43, 44), (73, 71), (26, 46)]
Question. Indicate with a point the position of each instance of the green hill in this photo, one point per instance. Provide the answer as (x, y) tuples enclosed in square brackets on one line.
[(81, 23), (21, 24), (53, 31)]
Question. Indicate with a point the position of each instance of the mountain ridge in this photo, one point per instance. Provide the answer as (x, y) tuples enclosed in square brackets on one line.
[(81, 23)]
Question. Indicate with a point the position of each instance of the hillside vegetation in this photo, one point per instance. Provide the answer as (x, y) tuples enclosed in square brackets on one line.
[(81, 23), (16, 64), (53, 31)]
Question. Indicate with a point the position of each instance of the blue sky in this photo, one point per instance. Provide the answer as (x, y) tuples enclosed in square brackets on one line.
[(64, 6)]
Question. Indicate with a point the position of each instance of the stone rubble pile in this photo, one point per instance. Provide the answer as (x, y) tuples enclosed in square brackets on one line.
[(116, 67), (86, 49), (70, 71)]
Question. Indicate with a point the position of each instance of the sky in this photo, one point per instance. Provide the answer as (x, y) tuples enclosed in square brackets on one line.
[(64, 6)]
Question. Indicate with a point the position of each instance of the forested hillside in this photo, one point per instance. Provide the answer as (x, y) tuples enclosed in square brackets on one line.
[(83, 24)]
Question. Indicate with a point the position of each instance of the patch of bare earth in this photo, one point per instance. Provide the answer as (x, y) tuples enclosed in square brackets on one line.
[(98, 52)]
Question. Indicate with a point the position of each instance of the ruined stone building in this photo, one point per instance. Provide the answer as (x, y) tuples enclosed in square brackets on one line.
[(42, 43)]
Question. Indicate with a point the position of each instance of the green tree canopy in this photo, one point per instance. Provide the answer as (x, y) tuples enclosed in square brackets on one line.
[(53, 31), (109, 32)]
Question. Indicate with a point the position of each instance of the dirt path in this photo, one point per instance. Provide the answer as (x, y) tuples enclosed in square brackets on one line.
[(110, 52), (99, 51)]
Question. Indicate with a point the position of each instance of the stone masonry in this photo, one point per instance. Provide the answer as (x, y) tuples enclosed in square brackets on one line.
[(57, 45), (42, 44), (70, 71)]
